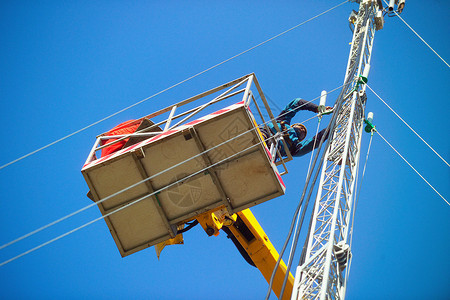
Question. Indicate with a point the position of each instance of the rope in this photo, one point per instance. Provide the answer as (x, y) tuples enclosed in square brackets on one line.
[(121, 191), (169, 88), (409, 127), (412, 167)]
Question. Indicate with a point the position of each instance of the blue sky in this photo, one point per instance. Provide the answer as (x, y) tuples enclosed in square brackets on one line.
[(65, 65)]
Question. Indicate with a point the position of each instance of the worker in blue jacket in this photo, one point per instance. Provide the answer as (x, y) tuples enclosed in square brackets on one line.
[(295, 134)]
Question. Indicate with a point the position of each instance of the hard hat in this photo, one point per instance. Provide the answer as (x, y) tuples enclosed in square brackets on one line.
[(300, 130)]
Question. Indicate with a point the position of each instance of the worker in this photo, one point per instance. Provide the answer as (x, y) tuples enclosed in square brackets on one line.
[(295, 134)]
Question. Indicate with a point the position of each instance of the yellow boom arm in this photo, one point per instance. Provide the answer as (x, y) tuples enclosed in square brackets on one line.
[(248, 235)]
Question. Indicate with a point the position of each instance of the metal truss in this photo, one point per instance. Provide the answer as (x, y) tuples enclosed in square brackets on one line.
[(323, 274)]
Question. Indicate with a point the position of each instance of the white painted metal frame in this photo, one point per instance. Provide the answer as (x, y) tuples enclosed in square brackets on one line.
[(233, 88), (217, 159), (320, 276)]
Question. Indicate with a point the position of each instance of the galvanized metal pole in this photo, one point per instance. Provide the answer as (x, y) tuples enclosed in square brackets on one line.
[(323, 274)]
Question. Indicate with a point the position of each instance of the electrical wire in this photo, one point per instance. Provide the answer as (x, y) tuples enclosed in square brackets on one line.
[(410, 127), (269, 99), (129, 204), (412, 167), (363, 175), (420, 37), (124, 190), (353, 211), (42, 148), (169, 88), (115, 194), (297, 211), (189, 226)]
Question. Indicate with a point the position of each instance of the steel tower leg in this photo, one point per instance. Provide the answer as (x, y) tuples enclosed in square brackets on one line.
[(323, 273)]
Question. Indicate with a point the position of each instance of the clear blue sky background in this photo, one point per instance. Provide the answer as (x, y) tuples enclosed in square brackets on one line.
[(67, 64)]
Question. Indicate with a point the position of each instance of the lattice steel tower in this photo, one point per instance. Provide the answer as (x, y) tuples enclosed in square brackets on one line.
[(323, 271)]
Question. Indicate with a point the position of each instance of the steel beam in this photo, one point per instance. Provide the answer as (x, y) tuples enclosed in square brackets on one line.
[(320, 276)]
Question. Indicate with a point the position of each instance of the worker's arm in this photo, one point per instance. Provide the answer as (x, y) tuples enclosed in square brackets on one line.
[(295, 106), (307, 145)]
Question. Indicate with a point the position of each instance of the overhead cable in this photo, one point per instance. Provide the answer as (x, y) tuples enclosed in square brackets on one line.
[(127, 205), (171, 87), (409, 127), (134, 201), (121, 191), (413, 168), (421, 38)]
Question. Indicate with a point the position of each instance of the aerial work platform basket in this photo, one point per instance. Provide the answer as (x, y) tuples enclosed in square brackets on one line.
[(162, 178)]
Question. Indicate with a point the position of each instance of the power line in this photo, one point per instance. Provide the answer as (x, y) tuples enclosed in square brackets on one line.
[(169, 88), (125, 206), (135, 201), (421, 38), (409, 127), (121, 191), (116, 193), (413, 168)]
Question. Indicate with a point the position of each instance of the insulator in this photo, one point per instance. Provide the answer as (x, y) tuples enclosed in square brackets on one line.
[(370, 117), (323, 98), (369, 123), (379, 20), (401, 6), (380, 4), (391, 5), (366, 70), (342, 254)]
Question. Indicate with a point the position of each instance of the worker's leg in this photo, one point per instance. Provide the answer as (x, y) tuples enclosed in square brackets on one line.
[(266, 136)]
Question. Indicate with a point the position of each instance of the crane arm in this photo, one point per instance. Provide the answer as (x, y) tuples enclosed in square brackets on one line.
[(251, 240)]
